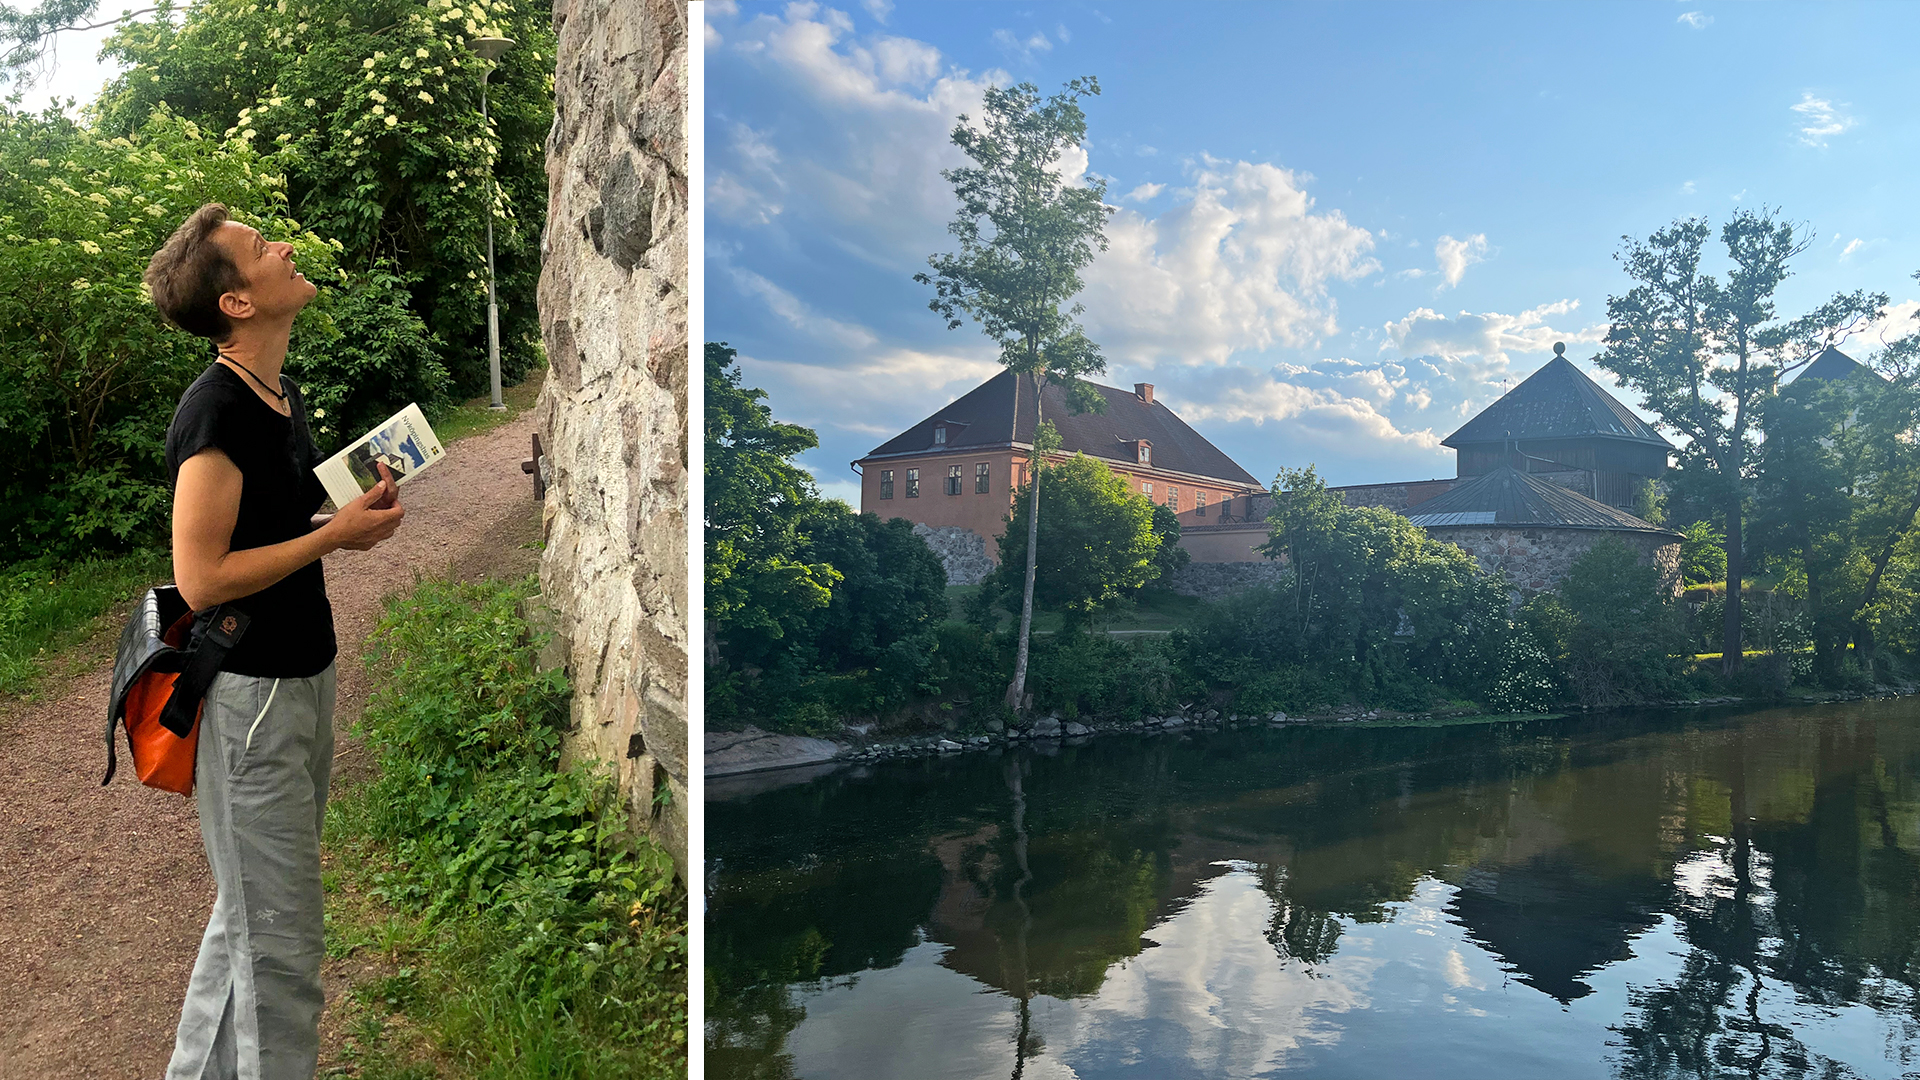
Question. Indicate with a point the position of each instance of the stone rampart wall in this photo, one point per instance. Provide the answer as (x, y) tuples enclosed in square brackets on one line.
[(963, 552), (1216, 581), (1536, 560), (613, 308)]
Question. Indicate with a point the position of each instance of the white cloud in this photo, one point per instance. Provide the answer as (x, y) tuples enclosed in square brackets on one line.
[(1337, 418), (799, 315), (1454, 256), (1021, 49), (1490, 336), (863, 395), (1699, 20), (1820, 119), (1687, 188), (879, 9), (1852, 246), (1242, 262), (1144, 192), (1060, 31)]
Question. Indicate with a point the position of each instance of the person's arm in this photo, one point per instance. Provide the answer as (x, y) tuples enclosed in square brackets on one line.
[(206, 505)]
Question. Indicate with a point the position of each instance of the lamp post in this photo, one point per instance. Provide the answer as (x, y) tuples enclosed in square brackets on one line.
[(490, 50)]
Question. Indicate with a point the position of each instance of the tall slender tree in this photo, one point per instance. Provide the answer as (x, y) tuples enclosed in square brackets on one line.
[(1026, 229), (1704, 351)]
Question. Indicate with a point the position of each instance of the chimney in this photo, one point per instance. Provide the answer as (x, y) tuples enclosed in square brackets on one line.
[(1143, 391)]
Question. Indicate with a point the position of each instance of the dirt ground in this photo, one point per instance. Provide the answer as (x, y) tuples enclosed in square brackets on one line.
[(104, 892)]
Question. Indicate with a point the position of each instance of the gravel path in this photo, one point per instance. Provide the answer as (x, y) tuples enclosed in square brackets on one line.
[(104, 891)]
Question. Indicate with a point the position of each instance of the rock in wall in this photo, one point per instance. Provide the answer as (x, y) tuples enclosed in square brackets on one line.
[(1216, 581), (963, 552), (613, 309)]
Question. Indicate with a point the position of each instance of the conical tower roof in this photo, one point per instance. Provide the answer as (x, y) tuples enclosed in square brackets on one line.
[(1507, 496), (1556, 402)]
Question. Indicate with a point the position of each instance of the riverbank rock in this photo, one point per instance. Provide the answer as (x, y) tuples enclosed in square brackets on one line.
[(1047, 727), (1078, 729), (753, 750)]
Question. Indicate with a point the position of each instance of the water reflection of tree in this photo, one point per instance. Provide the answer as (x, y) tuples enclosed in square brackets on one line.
[(1561, 841), (1820, 898), (1296, 932)]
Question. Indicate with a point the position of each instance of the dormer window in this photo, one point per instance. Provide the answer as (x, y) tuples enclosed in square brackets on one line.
[(940, 435), (1146, 452)]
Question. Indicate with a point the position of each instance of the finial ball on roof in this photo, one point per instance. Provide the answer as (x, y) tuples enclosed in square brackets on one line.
[(1559, 348)]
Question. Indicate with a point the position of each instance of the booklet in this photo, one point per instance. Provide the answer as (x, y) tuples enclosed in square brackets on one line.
[(404, 444)]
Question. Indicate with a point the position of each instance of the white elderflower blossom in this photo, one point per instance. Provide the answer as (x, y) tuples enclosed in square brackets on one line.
[(89, 247), (421, 53), (312, 103), (367, 63), (392, 120), (377, 96), (82, 283), (319, 414), (406, 61), (283, 137), (426, 97), (379, 109), (98, 199)]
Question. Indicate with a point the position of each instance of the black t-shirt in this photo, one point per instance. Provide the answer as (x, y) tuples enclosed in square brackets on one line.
[(291, 633)]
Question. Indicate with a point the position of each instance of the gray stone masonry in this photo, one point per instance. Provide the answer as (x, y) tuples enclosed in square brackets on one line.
[(613, 308), (1213, 581), (1536, 559), (962, 552)]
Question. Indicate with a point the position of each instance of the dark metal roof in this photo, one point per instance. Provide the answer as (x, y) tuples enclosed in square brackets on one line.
[(1832, 365), (1001, 411), (1507, 496), (1556, 402)]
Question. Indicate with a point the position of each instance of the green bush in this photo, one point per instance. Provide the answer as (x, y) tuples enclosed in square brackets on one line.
[(370, 357), (562, 943), (1703, 554), (1624, 635)]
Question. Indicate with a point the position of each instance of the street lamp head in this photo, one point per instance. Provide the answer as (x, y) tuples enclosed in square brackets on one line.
[(490, 48)]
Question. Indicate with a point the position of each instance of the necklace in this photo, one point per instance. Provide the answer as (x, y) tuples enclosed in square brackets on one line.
[(255, 378)]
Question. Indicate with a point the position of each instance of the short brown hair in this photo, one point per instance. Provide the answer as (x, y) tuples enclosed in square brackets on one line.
[(190, 272)]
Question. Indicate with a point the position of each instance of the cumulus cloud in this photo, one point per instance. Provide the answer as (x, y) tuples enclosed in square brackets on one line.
[(879, 9), (1699, 20), (1454, 256), (862, 395), (1488, 336), (1144, 192), (1243, 261), (1820, 119), (1312, 414), (862, 138)]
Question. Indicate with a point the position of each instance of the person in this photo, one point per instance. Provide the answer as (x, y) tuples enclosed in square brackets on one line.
[(247, 534)]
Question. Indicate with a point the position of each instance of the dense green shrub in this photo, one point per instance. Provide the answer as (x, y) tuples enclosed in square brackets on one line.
[(570, 935), (371, 110), (369, 357), (1615, 633), (1100, 540), (1703, 554)]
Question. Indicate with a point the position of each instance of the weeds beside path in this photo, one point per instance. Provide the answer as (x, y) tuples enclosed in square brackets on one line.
[(107, 888)]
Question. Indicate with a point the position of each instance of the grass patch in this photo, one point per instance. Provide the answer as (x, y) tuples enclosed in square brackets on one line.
[(47, 606), (531, 937), (477, 416)]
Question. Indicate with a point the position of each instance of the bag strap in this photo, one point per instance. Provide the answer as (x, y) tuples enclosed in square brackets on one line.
[(223, 629)]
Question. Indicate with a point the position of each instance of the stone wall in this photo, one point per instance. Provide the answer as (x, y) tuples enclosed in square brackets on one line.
[(1536, 560), (1215, 581), (963, 552), (1396, 496), (613, 308)]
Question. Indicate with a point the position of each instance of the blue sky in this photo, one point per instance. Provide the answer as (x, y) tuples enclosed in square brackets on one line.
[(1342, 229)]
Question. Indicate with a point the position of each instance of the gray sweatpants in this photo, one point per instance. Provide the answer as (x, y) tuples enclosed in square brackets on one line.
[(260, 778)]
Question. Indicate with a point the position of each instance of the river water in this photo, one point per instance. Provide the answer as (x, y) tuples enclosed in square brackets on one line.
[(1643, 895)]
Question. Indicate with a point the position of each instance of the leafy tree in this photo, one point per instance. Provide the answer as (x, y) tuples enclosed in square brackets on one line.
[(1099, 535), (1703, 553), (1025, 234), (757, 581), (1704, 351), (1371, 608), (24, 32), (89, 372), (891, 594), (371, 110)]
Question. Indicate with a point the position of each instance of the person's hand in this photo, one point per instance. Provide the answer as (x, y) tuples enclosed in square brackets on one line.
[(371, 518)]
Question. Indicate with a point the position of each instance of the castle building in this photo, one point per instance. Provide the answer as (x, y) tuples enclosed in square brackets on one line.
[(959, 468)]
